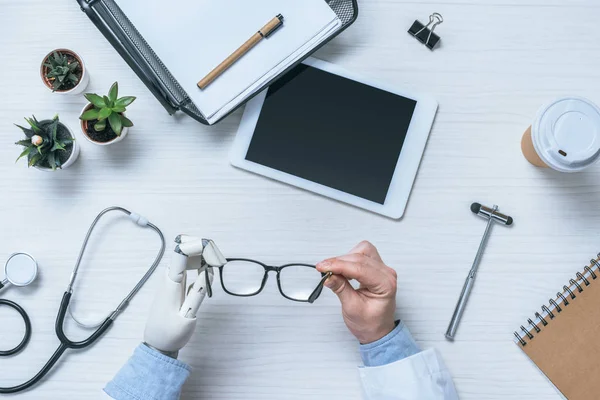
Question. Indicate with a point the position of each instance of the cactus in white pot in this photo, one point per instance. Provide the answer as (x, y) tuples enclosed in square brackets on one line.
[(48, 144)]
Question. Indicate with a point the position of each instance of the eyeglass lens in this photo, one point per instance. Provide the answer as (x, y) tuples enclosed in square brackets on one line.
[(299, 281), (243, 278)]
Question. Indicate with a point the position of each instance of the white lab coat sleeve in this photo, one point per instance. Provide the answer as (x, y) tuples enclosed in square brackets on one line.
[(422, 376)]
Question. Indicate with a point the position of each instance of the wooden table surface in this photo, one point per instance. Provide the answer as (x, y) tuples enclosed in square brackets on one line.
[(498, 62)]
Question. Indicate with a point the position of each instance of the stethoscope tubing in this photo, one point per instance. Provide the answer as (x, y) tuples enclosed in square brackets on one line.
[(26, 320), (65, 342)]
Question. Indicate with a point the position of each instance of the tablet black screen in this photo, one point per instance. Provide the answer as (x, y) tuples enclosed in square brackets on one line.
[(331, 130)]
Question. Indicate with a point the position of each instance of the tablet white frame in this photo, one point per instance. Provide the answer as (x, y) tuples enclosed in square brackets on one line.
[(406, 168)]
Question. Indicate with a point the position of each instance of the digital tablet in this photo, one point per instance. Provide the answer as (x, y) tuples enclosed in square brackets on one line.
[(337, 134)]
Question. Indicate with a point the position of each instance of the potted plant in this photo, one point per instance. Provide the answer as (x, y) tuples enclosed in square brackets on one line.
[(49, 144), (103, 119), (63, 72)]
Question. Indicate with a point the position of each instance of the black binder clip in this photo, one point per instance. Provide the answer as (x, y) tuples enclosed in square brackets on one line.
[(424, 33)]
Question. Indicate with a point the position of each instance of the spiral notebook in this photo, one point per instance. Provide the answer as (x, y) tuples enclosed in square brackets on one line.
[(562, 338)]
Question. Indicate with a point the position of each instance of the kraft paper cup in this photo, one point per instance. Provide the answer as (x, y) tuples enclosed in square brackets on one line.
[(565, 135)]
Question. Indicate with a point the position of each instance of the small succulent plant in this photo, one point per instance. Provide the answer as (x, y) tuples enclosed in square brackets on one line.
[(60, 71), (108, 108), (44, 143)]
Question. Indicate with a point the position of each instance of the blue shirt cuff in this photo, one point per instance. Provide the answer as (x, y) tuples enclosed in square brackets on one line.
[(395, 346), (149, 375)]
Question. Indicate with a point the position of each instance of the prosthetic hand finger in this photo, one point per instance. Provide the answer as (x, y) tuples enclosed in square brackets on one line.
[(166, 330), (201, 247), (212, 255), (196, 294), (178, 267), (185, 238)]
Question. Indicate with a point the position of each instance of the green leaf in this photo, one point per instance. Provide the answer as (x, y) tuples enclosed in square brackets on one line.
[(107, 101), (115, 123), (24, 142), (73, 65), (25, 152), (34, 160), (57, 146), (89, 115), (95, 100), (124, 101), (28, 132), (126, 122), (54, 129), (39, 149), (113, 92), (100, 126), (56, 85), (34, 125), (118, 109), (104, 113), (52, 161)]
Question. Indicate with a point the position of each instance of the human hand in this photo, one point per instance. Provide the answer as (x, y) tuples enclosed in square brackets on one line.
[(369, 310)]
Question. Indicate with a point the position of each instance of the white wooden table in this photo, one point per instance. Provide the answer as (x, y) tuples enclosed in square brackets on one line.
[(499, 61)]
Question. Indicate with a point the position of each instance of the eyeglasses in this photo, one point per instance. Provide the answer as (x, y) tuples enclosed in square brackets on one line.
[(244, 277)]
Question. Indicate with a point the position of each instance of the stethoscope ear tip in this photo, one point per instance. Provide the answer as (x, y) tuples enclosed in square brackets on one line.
[(20, 269)]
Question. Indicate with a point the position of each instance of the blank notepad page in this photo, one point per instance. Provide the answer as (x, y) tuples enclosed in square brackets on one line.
[(191, 37)]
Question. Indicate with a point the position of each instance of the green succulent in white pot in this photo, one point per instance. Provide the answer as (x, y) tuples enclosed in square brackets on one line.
[(48, 144), (103, 119)]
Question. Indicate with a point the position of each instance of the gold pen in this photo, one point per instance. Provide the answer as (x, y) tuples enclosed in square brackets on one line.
[(263, 33)]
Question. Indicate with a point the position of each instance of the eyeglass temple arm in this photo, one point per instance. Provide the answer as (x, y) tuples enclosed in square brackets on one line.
[(317, 292)]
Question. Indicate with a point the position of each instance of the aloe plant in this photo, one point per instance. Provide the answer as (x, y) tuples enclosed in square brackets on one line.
[(108, 108), (44, 143), (60, 71)]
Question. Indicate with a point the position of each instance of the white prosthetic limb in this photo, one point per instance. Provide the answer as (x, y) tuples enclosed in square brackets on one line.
[(172, 319)]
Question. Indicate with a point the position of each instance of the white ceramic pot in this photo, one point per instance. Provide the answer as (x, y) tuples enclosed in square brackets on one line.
[(74, 154), (83, 82), (83, 130)]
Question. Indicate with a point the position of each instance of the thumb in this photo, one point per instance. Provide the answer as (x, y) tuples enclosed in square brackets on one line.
[(341, 287)]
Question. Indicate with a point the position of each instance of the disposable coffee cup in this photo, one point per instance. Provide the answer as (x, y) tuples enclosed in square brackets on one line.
[(564, 136)]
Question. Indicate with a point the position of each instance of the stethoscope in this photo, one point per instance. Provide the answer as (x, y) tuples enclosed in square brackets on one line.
[(20, 270), (18, 277)]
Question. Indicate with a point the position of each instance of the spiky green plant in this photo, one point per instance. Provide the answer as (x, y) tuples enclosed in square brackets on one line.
[(108, 108), (44, 140), (60, 71)]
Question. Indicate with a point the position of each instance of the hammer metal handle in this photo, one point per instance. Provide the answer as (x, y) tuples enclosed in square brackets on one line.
[(469, 283), (460, 306)]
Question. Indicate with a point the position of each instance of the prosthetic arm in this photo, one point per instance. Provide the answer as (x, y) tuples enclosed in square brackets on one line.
[(172, 317)]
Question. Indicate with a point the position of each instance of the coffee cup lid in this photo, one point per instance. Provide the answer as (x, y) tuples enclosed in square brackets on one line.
[(566, 134)]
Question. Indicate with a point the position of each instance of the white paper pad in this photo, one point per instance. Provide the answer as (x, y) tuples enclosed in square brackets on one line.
[(191, 37)]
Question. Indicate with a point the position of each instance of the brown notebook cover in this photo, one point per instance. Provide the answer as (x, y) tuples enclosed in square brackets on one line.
[(563, 338)]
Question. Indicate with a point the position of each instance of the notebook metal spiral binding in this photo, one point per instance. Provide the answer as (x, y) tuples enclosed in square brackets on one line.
[(569, 293)]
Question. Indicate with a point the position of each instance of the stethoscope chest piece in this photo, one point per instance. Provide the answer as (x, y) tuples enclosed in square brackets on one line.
[(20, 269)]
